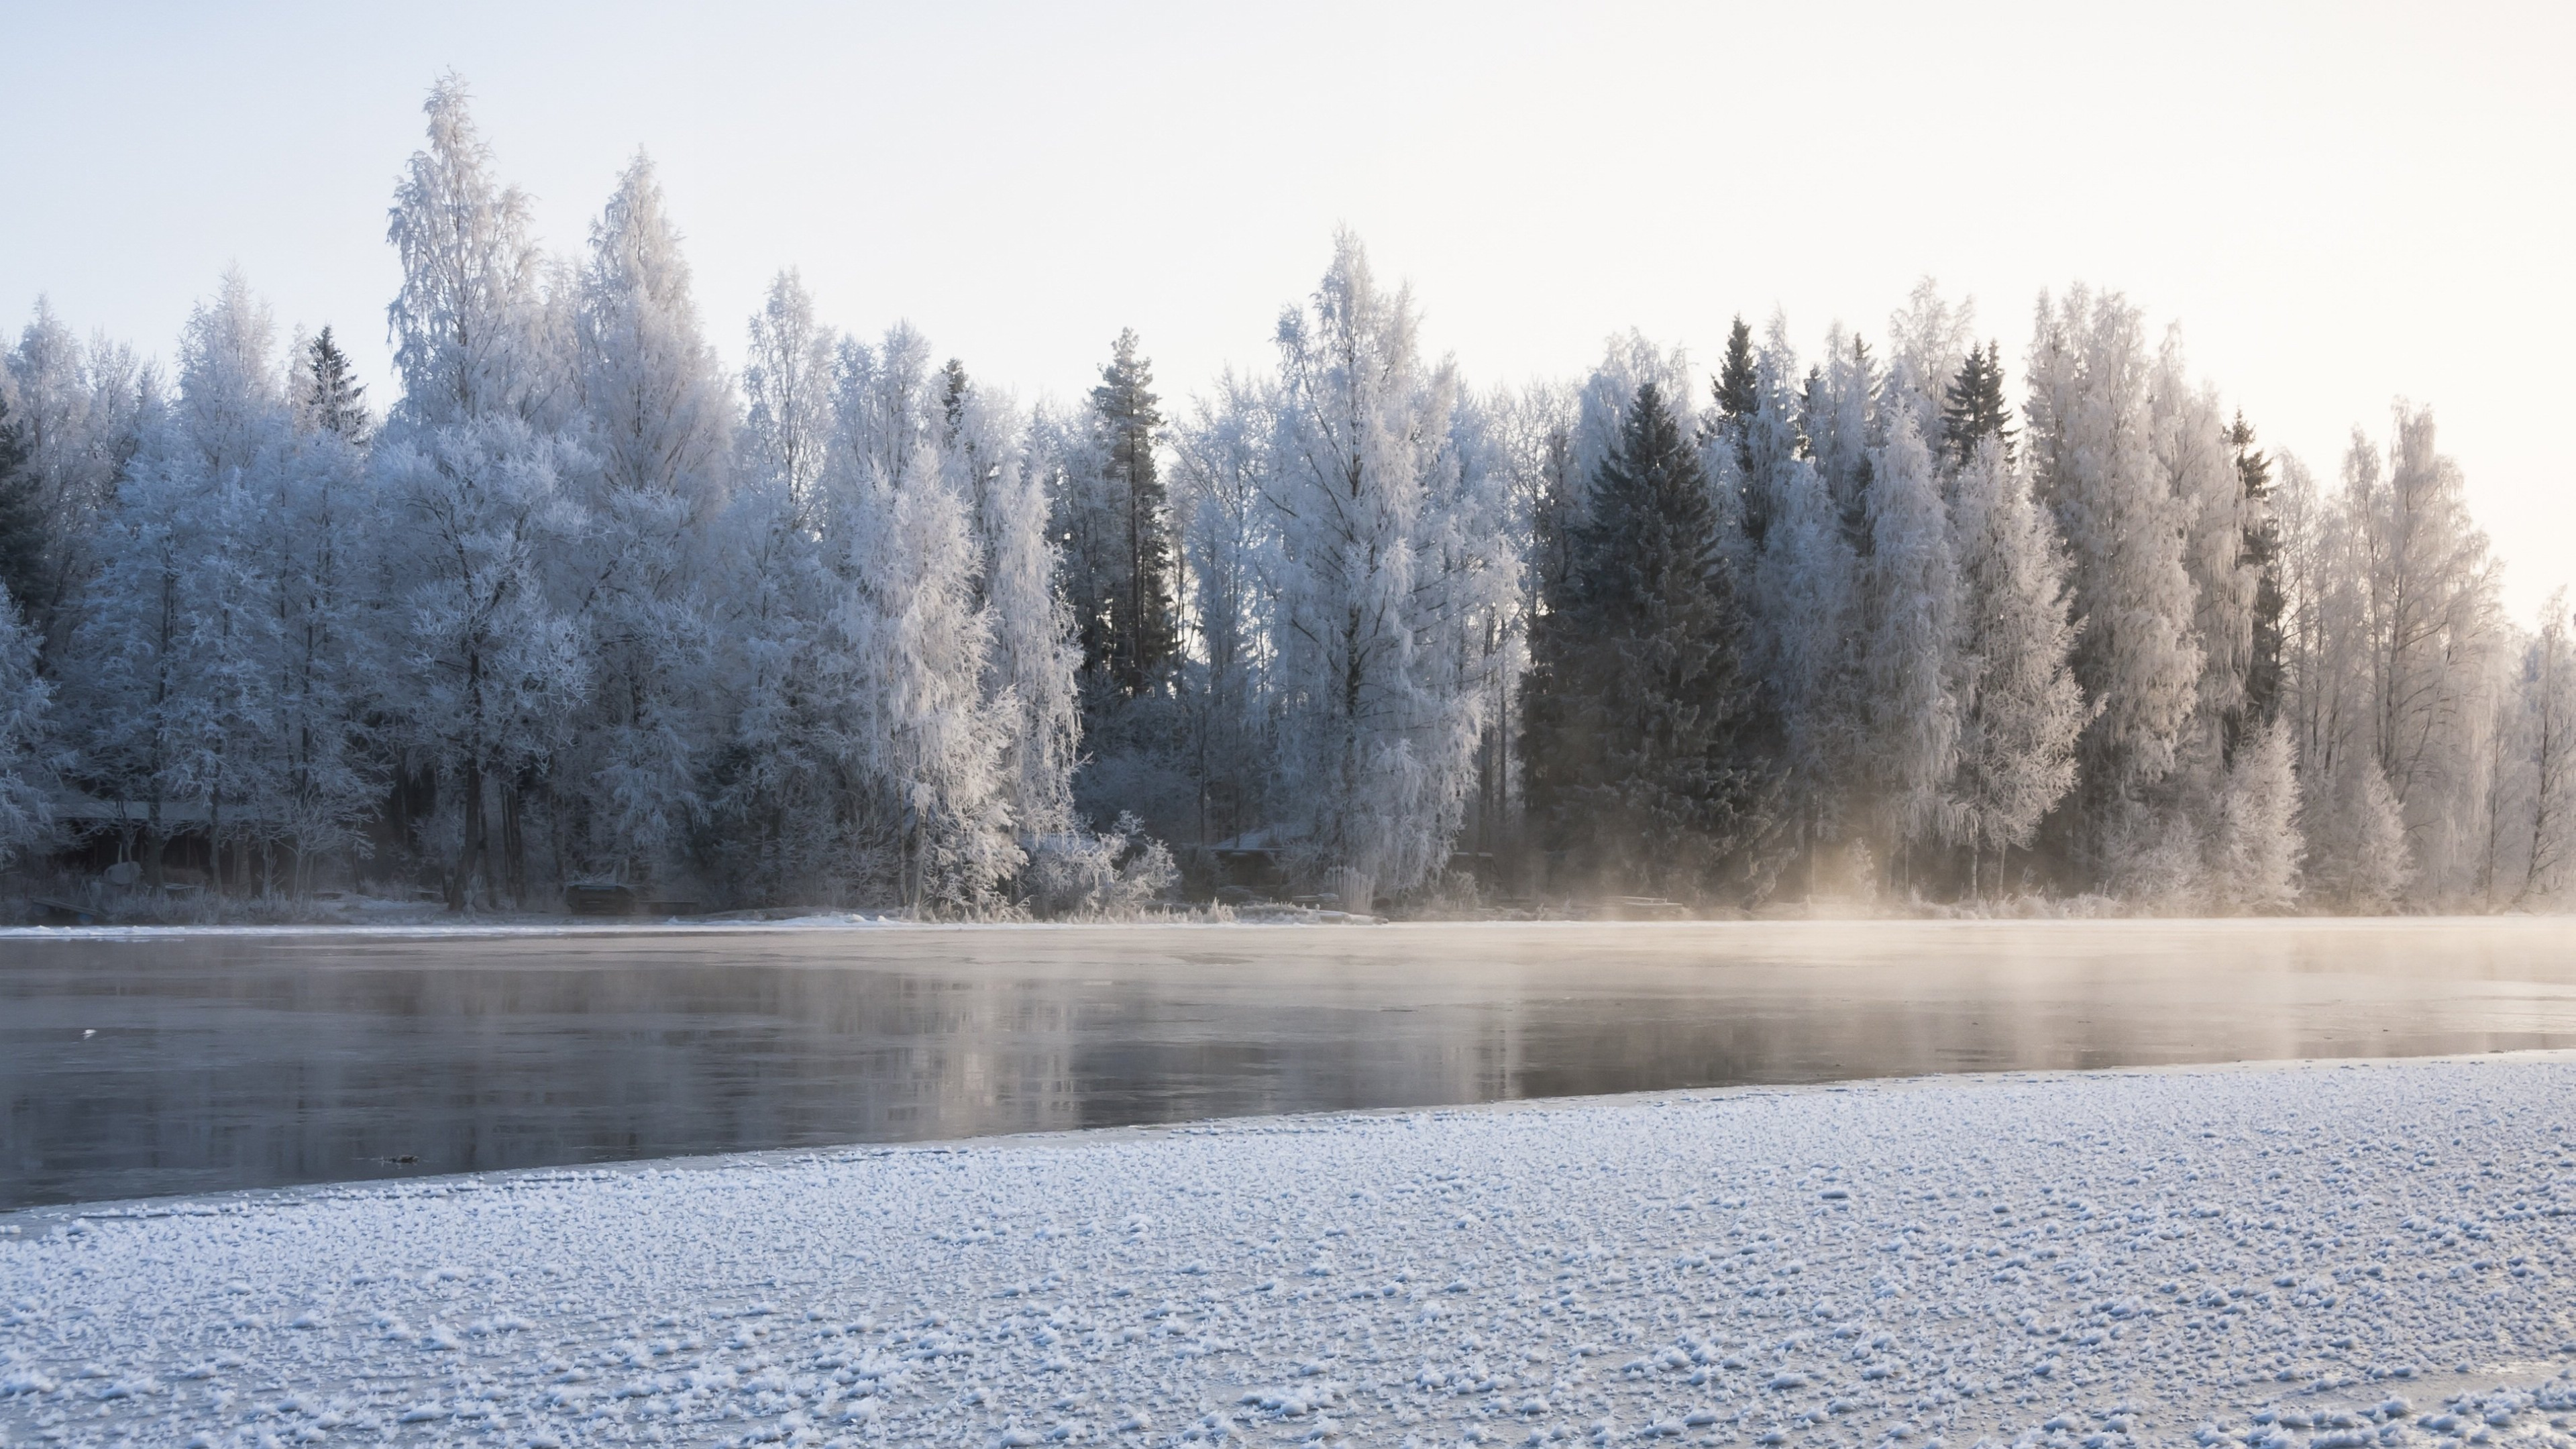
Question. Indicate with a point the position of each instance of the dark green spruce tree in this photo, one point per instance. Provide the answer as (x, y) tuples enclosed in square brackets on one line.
[(1737, 391), (1641, 773), (334, 400), (1130, 631), (953, 388), (1973, 408), (2262, 552), (1735, 388), (22, 524)]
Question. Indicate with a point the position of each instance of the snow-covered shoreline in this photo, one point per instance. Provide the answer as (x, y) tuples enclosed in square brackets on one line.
[(2323, 1254), (824, 922)]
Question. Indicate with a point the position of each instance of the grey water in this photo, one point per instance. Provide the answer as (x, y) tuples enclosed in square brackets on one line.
[(141, 1067)]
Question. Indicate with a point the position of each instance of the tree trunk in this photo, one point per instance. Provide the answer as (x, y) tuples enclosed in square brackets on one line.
[(514, 847), (469, 852)]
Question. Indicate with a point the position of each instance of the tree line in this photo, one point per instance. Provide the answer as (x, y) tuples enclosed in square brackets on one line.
[(851, 626)]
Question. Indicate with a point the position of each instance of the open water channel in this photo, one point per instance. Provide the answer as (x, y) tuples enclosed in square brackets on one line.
[(168, 1064)]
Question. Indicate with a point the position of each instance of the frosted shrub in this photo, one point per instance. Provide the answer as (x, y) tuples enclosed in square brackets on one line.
[(1111, 876), (2256, 865)]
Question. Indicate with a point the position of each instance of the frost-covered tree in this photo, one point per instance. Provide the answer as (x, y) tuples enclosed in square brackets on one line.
[(995, 458), (175, 659), (2548, 704), (2432, 626), (473, 469), (903, 654), (1379, 721), (2254, 850), (327, 394), (2020, 708), (657, 421), (468, 323), (491, 666), (1035, 656), (659, 410), (770, 794), (80, 411), (787, 386), (2197, 464), (2325, 667), (1929, 349), (26, 701), (1229, 537), (1805, 604), (1604, 406), (1640, 774), (2357, 857), (916, 736), (331, 682), (1840, 421), (128, 663), (1910, 669), (2092, 445)]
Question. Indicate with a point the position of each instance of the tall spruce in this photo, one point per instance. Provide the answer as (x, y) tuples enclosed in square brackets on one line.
[(334, 400), (1129, 632), (1973, 408), (1636, 711), (1734, 385), (1737, 391), (2263, 677), (22, 518)]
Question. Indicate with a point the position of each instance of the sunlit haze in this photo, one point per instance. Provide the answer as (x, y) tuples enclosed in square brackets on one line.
[(2340, 204)]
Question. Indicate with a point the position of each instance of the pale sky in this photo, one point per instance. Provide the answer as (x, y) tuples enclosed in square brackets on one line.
[(2341, 204)]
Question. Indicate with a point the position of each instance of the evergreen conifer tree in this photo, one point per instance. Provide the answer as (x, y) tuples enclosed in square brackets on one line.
[(25, 702), (2263, 676), (953, 388), (1973, 409), (1737, 391), (23, 574), (1135, 632), (334, 400), (1636, 710), (1734, 386)]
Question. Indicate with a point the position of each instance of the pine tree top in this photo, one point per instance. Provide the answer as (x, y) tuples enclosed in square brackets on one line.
[(337, 399), (1126, 385), (2253, 465), (1973, 407), (1735, 385)]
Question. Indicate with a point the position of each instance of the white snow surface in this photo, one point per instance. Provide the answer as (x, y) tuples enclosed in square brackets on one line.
[(2322, 1255)]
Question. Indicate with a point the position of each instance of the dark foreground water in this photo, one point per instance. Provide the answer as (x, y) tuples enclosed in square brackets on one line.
[(140, 1067)]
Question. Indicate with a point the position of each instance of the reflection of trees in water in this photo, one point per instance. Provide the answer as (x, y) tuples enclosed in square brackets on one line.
[(233, 1063)]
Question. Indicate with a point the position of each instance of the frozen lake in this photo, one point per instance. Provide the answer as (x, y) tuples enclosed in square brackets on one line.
[(191, 1064)]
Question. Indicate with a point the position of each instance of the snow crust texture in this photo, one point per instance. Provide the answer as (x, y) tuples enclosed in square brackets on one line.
[(2327, 1256)]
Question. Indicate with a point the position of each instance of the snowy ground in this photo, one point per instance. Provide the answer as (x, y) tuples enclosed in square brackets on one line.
[(432, 923), (426, 925), (2329, 1255)]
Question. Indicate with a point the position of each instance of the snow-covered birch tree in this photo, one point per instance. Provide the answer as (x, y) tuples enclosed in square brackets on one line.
[(1378, 723), (2091, 441), (2020, 708), (1909, 653), (1228, 535), (658, 418), (472, 467)]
